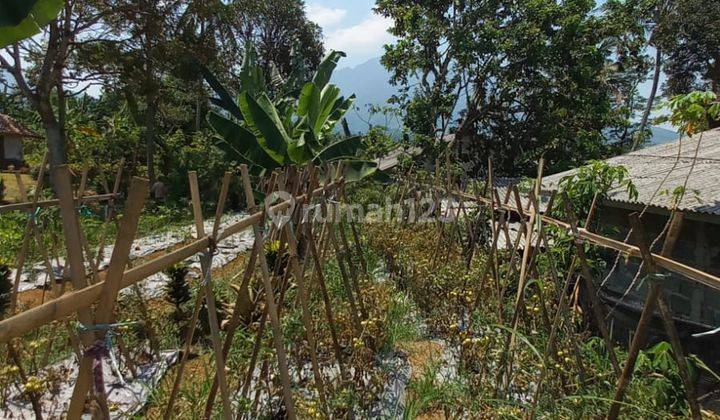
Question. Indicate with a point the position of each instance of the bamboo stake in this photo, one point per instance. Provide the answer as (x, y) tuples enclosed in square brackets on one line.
[(111, 287), (652, 299), (29, 226), (270, 301), (242, 301), (73, 245), (318, 272), (206, 265), (52, 203), (306, 315), (591, 291), (110, 213)]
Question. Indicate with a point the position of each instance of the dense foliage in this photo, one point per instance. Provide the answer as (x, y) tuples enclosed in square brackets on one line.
[(523, 79)]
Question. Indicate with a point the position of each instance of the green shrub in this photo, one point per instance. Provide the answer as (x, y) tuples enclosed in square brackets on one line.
[(177, 290)]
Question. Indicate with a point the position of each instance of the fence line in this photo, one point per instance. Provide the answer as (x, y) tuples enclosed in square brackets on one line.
[(59, 308)]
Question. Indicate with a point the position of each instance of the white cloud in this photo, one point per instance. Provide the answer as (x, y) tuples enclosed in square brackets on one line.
[(326, 17), (362, 41)]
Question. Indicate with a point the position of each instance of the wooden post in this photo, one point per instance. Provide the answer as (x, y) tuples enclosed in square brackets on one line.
[(111, 287), (29, 226), (242, 302), (110, 212), (317, 261), (653, 298), (206, 265), (270, 301), (73, 246), (590, 289), (306, 315)]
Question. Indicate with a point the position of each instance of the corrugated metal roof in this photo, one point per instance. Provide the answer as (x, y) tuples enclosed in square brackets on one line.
[(9, 126), (649, 167)]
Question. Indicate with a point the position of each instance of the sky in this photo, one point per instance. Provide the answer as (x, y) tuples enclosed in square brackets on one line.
[(352, 27)]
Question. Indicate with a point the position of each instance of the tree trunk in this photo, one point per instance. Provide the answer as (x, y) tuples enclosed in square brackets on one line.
[(651, 99), (53, 131), (150, 137)]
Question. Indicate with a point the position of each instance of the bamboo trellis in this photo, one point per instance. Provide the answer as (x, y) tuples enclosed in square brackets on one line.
[(532, 226), (306, 244), (298, 236)]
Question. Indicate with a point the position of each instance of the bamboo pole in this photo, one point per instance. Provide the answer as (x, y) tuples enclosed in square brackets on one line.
[(82, 298), (111, 287), (306, 314), (52, 203), (30, 226), (590, 290), (270, 301), (653, 299), (73, 245)]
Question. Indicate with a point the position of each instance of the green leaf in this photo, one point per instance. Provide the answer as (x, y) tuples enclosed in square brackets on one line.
[(236, 135), (327, 103), (299, 152), (252, 79), (262, 118), (20, 19), (224, 99), (12, 12), (309, 97), (239, 143), (355, 170), (326, 68), (341, 149), (340, 108)]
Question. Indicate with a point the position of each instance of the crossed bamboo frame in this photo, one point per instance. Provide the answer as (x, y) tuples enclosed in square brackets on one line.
[(305, 186), (306, 245)]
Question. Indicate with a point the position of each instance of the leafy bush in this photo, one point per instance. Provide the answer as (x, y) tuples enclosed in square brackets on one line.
[(177, 290), (658, 365), (597, 177)]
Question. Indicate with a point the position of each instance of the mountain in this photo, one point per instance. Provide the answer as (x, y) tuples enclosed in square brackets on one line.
[(370, 83), (661, 136)]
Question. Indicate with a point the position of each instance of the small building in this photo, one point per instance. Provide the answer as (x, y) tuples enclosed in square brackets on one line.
[(12, 134), (656, 172)]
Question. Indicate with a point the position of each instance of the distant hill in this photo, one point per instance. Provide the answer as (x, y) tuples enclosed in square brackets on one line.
[(369, 82), (661, 136)]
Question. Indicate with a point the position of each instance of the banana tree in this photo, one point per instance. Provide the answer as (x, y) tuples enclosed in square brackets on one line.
[(268, 131)]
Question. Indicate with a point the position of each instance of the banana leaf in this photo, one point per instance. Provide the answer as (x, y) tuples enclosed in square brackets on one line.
[(20, 19), (224, 99), (346, 148), (263, 120), (355, 170), (326, 68), (238, 143)]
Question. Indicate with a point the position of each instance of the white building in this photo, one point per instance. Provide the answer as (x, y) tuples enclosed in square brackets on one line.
[(12, 134)]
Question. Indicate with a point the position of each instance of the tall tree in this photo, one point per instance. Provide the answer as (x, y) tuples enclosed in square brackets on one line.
[(285, 40), (532, 74), (39, 67), (691, 44)]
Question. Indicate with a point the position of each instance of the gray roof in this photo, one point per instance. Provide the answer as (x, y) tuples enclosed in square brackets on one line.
[(648, 168)]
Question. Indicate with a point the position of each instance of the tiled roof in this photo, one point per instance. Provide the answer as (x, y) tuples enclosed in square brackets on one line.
[(8, 126), (648, 168)]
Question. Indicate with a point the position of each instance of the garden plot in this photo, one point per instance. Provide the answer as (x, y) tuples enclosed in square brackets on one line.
[(126, 397), (35, 277)]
